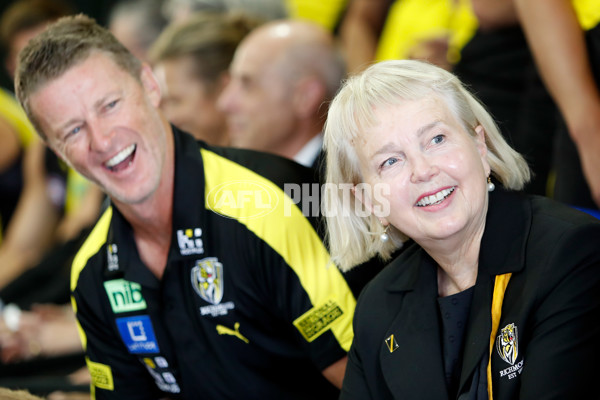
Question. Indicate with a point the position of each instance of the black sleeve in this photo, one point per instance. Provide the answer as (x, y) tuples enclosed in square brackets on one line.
[(561, 360)]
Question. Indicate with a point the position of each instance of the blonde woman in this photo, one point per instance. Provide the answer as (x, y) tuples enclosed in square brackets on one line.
[(497, 296)]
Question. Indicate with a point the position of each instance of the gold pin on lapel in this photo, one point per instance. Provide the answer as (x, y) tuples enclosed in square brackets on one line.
[(391, 343)]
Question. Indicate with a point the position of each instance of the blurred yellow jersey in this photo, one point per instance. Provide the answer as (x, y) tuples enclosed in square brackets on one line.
[(411, 22), (588, 13)]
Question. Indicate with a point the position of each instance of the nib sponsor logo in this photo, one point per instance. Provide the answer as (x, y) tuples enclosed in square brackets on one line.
[(124, 295)]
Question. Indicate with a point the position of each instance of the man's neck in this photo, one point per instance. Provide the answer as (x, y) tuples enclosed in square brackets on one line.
[(151, 220), (295, 142)]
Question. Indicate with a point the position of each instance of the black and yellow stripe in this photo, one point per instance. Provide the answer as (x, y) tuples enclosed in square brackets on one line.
[(317, 274)]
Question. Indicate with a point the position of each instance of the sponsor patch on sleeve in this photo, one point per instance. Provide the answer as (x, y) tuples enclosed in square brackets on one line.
[(318, 320), (101, 375)]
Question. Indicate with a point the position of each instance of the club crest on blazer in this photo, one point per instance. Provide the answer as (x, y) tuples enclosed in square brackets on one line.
[(507, 343)]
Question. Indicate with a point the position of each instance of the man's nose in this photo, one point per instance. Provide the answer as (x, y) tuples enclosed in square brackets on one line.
[(100, 137)]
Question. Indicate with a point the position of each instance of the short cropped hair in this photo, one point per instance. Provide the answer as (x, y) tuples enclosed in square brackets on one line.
[(208, 38), (351, 238), (64, 44)]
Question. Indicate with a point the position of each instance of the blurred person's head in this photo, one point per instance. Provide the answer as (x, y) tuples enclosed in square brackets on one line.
[(137, 24), (281, 75), (191, 61), (24, 19)]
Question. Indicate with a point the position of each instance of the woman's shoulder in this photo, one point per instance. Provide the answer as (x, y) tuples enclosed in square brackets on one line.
[(397, 274)]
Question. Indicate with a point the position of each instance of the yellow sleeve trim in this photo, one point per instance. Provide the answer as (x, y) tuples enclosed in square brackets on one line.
[(80, 330), (91, 246), (239, 193)]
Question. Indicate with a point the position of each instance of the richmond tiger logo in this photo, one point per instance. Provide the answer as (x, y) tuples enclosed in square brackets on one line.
[(507, 343)]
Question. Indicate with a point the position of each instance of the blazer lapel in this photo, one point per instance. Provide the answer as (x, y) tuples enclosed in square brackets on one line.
[(502, 251), (477, 337), (411, 354)]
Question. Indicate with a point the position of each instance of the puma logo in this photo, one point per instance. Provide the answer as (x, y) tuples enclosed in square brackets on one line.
[(223, 330)]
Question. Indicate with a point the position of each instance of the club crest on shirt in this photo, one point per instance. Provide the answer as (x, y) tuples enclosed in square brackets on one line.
[(207, 279), (507, 344)]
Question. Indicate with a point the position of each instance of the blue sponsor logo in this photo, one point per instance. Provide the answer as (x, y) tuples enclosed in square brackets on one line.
[(137, 334)]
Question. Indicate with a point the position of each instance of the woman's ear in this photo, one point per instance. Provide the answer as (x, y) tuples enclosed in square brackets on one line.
[(482, 147)]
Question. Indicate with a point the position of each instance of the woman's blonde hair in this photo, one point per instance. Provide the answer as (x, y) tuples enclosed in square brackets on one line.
[(354, 238)]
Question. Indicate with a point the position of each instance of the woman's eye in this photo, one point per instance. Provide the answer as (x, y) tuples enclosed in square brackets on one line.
[(437, 139), (389, 162)]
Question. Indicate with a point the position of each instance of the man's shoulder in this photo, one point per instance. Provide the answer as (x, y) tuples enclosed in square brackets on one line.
[(277, 169), (91, 247)]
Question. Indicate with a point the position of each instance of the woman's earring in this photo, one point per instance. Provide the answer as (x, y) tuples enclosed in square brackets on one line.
[(490, 184), (384, 237)]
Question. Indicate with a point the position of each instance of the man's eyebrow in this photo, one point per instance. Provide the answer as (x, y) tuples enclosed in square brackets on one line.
[(68, 123), (100, 102)]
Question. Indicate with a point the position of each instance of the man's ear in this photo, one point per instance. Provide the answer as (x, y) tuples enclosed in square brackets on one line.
[(222, 82), (150, 84), (308, 96)]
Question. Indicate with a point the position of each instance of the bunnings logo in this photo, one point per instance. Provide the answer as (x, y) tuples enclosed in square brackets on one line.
[(124, 295)]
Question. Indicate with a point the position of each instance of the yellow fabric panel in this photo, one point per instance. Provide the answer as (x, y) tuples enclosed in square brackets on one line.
[(82, 335), (14, 115), (91, 246), (269, 216), (410, 22), (325, 13), (588, 12)]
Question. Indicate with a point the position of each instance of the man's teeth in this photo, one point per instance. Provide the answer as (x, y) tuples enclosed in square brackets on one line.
[(435, 198), (121, 156)]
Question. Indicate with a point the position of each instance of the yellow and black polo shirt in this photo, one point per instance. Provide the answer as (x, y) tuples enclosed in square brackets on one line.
[(249, 305)]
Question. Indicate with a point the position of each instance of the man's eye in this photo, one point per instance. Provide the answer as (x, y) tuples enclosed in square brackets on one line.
[(75, 130), (112, 104)]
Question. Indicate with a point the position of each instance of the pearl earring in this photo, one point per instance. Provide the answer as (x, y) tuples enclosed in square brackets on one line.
[(384, 237), (490, 185)]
